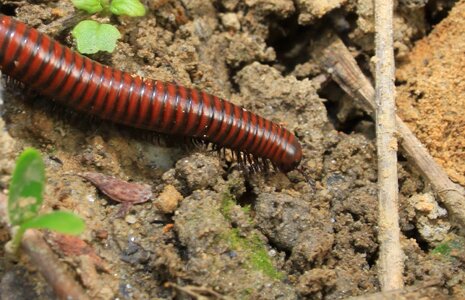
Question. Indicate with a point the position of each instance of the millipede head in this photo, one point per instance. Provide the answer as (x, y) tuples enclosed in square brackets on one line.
[(292, 156)]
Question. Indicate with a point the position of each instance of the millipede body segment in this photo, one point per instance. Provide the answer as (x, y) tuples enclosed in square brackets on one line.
[(57, 71)]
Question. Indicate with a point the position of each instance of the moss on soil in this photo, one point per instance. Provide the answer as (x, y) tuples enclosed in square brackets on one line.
[(251, 245)]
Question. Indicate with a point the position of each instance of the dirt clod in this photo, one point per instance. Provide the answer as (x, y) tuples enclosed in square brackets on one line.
[(313, 282), (430, 98), (168, 200)]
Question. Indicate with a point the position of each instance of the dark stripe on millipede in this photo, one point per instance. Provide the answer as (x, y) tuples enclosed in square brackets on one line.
[(286, 142), (6, 42), (211, 113), (220, 122), (187, 109), (175, 108), (127, 100), (279, 134), (140, 92), (230, 122), (247, 129), (198, 118), (162, 106), (115, 101), (151, 104), (77, 102), (258, 147), (93, 100), (24, 69), (103, 100), (11, 64), (254, 134), (265, 138), (71, 66), (238, 126), (271, 143), (70, 91), (43, 62), (56, 68)]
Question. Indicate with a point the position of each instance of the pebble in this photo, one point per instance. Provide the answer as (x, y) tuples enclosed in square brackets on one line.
[(130, 219), (168, 200), (230, 21)]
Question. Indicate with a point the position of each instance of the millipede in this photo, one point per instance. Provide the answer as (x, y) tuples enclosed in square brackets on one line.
[(58, 72)]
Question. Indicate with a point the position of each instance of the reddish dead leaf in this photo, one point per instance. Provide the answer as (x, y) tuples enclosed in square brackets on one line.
[(128, 193), (72, 246), (119, 190)]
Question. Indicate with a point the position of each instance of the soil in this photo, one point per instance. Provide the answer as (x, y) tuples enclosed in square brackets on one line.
[(212, 226), (431, 90)]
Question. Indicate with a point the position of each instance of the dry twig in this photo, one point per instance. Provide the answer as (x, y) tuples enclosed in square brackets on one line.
[(63, 283), (197, 292), (63, 24), (334, 56), (390, 262)]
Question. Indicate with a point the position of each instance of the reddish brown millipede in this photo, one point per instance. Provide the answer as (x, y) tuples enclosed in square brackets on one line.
[(57, 71)]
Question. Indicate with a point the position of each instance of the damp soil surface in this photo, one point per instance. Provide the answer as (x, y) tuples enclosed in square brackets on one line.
[(211, 228), (432, 93)]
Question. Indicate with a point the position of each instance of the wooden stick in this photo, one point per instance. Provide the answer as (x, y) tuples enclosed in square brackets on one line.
[(62, 282), (335, 58), (197, 292), (33, 244), (390, 262)]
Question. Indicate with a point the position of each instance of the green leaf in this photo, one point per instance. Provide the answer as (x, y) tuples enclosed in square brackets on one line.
[(92, 37), (132, 8), (26, 188), (90, 6), (59, 221)]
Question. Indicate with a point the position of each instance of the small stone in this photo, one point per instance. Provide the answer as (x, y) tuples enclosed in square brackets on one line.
[(313, 10), (430, 218), (168, 200), (101, 234), (230, 21), (130, 219), (427, 204), (316, 281), (424, 207)]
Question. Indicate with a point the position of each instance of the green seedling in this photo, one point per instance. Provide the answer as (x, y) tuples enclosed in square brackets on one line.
[(26, 197), (92, 36)]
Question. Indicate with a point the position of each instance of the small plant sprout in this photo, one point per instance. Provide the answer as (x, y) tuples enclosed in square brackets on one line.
[(92, 36), (25, 199)]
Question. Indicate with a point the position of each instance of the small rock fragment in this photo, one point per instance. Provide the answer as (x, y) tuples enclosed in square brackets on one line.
[(426, 204), (313, 10), (230, 21), (130, 219), (281, 8), (430, 218), (312, 248), (168, 200), (315, 282), (195, 172)]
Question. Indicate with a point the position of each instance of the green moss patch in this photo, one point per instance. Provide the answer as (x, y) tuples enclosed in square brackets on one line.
[(227, 204), (453, 247), (251, 246)]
